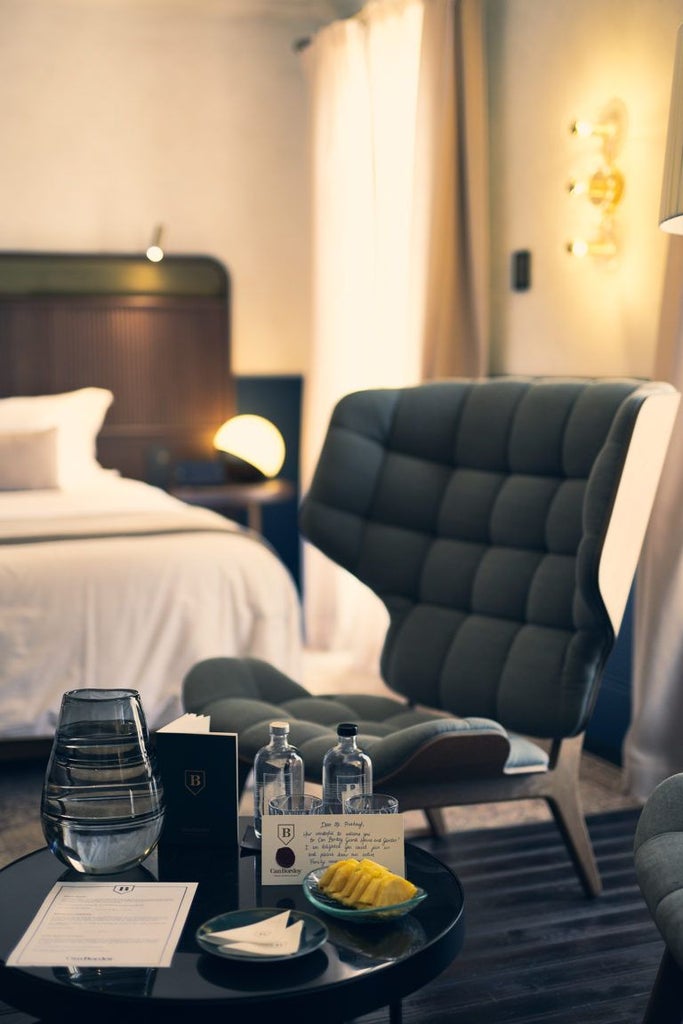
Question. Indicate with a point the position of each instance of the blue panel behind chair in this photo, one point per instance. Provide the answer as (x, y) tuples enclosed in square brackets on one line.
[(278, 398), (612, 715)]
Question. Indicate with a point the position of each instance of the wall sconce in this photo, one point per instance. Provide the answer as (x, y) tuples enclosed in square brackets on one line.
[(603, 246), (604, 188), (155, 253), (252, 448)]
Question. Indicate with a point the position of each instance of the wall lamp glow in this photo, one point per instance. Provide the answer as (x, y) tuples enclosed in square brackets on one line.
[(602, 246), (155, 253), (609, 128), (253, 448), (603, 188), (586, 129)]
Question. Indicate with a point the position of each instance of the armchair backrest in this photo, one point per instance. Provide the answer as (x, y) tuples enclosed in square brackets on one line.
[(478, 511)]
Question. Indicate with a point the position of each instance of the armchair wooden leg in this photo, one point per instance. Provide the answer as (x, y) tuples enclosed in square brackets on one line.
[(572, 826), (436, 821), (565, 804), (558, 786)]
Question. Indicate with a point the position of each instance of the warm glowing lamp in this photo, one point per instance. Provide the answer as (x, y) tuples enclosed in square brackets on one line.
[(155, 252), (604, 188), (585, 129), (609, 127), (601, 246), (671, 207), (252, 447)]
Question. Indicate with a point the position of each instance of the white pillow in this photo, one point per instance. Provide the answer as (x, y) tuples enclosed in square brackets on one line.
[(77, 417), (28, 461)]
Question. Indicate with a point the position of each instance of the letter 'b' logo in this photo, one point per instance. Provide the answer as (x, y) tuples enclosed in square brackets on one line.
[(285, 834), (195, 781)]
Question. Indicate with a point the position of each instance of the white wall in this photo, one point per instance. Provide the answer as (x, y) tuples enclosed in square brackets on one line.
[(551, 62), (116, 115)]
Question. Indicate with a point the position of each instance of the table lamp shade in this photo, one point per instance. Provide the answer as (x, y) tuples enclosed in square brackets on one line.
[(671, 208), (254, 440)]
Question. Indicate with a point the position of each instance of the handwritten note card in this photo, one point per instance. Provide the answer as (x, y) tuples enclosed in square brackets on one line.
[(291, 846)]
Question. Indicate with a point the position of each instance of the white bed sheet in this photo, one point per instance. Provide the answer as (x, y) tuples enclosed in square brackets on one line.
[(132, 611)]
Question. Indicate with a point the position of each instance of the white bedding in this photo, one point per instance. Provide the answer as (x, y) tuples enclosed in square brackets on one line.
[(135, 611)]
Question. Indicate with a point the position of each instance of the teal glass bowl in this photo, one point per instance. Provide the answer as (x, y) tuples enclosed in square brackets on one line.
[(371, 915)]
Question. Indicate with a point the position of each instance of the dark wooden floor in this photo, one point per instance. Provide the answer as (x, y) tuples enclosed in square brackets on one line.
[(536, 950)]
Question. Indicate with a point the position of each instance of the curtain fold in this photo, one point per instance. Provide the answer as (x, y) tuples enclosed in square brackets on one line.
[(653, 748), (451, 227), (400, 239)]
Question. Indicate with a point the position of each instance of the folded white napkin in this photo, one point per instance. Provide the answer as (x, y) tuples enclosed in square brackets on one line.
[(270, 936)]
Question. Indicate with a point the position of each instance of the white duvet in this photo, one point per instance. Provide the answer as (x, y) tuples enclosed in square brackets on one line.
[(134, 611)]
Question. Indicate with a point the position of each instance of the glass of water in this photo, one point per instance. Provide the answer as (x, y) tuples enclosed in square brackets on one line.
[(371, 803), (297, 803), (102, 804)]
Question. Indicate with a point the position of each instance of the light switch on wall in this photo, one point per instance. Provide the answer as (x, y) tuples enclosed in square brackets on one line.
[(521, 270)]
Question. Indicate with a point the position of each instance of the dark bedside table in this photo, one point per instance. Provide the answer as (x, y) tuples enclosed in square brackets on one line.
[(227, 498)]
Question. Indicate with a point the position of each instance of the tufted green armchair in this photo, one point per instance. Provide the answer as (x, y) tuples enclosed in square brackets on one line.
[(500, 522)]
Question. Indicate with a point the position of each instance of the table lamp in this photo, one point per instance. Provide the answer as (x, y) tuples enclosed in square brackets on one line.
[(252, 448)]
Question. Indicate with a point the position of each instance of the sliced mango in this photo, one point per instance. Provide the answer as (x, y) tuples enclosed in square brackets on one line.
[(330, 872), (394, 890), (341, 878), (363, 884), (369, 895), (354, 879)]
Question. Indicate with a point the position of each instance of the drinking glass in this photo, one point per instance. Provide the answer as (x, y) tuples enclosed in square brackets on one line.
[(298, 803), (102, 804), (330, 807), (371, 803)]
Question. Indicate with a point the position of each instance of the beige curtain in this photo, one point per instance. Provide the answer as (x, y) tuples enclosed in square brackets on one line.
[(653, 748), (451, 226), (400, 230)]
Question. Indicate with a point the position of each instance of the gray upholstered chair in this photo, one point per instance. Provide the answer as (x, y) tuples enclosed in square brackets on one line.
[(500, 522), (659, 869)]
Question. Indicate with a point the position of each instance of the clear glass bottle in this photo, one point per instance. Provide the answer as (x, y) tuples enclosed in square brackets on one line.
[(278, 771), (347, 770)]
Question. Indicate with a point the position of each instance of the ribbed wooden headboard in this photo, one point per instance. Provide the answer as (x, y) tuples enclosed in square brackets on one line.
[(157, 335)]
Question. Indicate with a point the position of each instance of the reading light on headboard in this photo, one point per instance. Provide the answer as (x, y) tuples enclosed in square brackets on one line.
[(155, 253), (252, 446)]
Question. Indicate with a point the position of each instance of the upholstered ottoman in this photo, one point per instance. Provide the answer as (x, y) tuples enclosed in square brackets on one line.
[(659, 869), (243, 695)]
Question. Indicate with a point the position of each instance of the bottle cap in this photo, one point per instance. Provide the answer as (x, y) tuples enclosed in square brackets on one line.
[(347, 729), (281, 728)]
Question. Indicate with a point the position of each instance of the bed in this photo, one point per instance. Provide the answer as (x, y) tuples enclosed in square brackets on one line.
[(113, 373)]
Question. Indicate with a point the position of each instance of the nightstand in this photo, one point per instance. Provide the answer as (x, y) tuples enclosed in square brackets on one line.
[(227, 498)]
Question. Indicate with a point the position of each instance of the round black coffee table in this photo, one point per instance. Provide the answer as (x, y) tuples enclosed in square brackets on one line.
[(358, 970)]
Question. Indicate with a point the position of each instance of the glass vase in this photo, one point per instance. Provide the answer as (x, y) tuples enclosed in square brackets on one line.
[(102, 804)]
